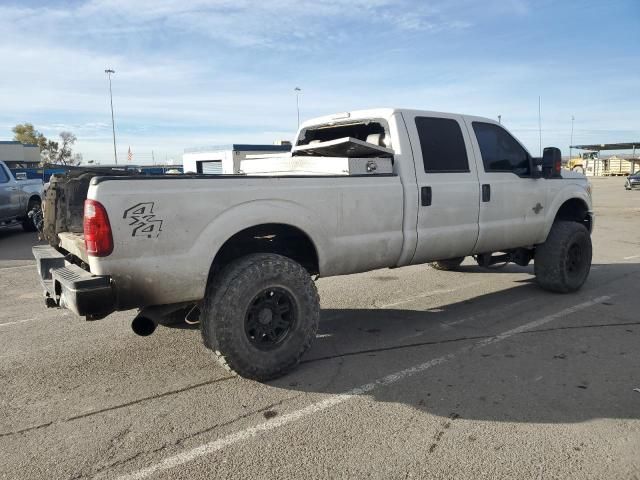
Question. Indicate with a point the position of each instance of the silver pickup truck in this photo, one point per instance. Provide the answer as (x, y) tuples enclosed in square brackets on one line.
[(18, 196), (360, 191)]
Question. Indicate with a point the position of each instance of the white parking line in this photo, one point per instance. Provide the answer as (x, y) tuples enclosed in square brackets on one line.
[(425, 295), (242, 435), (6, 324), (2, 269)]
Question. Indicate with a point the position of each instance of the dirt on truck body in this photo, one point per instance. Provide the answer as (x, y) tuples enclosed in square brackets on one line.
[(63, 206)]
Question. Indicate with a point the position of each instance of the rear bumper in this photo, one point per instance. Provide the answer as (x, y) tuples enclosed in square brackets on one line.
[(66, 285)]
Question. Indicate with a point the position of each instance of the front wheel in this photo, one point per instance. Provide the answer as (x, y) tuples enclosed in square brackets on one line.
[(260, 315), (29, 223), (562, 263)]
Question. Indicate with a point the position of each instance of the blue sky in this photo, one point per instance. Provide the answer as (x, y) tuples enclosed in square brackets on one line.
[(198, 72)]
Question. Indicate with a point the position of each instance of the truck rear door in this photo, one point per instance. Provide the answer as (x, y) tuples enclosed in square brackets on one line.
[(448, 187)]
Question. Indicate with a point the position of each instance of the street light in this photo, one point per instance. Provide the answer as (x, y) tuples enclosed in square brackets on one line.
[(298, 90), (571, 144), (499, 118), (109, 71)]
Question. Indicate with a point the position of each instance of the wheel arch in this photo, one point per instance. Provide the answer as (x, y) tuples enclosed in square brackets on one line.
[(273, 237), (35, 196), (574, 208)]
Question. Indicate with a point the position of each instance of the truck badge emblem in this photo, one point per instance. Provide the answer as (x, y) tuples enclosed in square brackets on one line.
[(143, 220), (537, 208)]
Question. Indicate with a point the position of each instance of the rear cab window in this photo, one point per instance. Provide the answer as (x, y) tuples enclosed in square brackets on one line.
[(442, 145), (370, 131), (500, 151)]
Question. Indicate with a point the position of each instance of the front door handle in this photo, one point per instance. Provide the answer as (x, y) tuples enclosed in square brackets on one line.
[(425, 195), (486, 192)]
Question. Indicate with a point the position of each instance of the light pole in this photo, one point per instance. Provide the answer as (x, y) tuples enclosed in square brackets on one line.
[(298, 90), (109, 71), (571, 144), (499, 118)]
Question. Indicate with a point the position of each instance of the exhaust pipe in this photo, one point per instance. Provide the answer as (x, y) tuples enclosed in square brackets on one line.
[(143, 326)]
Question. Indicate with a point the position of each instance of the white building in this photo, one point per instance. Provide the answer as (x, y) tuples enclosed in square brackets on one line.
[(224, 158), (17, 155)]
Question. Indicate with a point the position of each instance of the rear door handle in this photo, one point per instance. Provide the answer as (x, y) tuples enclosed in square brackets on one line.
[(425, 195), (486, 192)]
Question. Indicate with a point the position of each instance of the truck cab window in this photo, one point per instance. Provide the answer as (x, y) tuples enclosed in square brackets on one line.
[(442, 144), (3, 176), (500, 151)]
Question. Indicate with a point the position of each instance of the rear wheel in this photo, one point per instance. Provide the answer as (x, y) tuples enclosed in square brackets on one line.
[(562, 263), (450, 264), (578, 169), (28, 223), (260, 315)]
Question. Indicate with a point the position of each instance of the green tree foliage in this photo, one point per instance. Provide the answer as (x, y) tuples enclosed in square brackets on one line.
[(25, 133), (52, 152)]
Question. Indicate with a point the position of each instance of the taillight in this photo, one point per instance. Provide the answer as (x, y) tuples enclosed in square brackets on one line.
[(557, 167), (97, 230)]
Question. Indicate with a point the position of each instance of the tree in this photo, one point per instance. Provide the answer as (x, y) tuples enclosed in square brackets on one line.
[(25, 133), (51, 152), (59, 153)]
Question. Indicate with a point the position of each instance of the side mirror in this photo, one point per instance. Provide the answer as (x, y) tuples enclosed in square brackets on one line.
[(551, 162)]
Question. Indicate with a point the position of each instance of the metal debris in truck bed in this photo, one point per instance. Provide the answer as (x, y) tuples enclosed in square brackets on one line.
[(343, 147)]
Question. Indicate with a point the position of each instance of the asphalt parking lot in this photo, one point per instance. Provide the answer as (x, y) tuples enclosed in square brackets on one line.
[(415, 374)]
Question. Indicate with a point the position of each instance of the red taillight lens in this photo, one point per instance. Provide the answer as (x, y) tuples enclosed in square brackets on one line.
[(97, 229), (558, 167)]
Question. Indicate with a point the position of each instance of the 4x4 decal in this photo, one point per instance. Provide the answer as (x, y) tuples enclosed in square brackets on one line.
[(143, 220)]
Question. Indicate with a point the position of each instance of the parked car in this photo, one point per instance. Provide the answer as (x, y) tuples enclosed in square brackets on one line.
[(18, 197), (632, 181), (360, 191)]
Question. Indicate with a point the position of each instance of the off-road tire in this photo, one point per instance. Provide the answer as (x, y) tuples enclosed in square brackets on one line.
[(227, 301), (27, 223), (446, 265), (563, 261)]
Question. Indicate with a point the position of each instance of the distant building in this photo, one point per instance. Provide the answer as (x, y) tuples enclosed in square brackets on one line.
[(17, 155), (224, 158)]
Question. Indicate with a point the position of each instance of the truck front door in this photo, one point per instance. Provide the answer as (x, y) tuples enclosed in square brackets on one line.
[(448, 186), (512, 203), (9, 195)]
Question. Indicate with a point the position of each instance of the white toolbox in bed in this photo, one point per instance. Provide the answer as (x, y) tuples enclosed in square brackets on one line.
[(308, 165)]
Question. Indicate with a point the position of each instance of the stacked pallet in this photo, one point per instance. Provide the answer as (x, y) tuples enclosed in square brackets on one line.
[(617, 166)]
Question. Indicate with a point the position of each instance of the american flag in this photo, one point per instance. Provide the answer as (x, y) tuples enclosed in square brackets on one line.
[(130, 155)]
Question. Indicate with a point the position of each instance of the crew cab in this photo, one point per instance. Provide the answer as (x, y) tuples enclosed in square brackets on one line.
[(18, 197), (360, 191)]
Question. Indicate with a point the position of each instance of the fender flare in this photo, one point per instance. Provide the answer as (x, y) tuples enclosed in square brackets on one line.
[(258, 212), (570, 192)]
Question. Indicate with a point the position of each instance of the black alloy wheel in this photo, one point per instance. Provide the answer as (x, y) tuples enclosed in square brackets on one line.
[(271, 316)]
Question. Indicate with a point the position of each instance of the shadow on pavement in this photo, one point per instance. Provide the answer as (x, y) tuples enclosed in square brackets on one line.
[(579, 367), (15, 243)]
